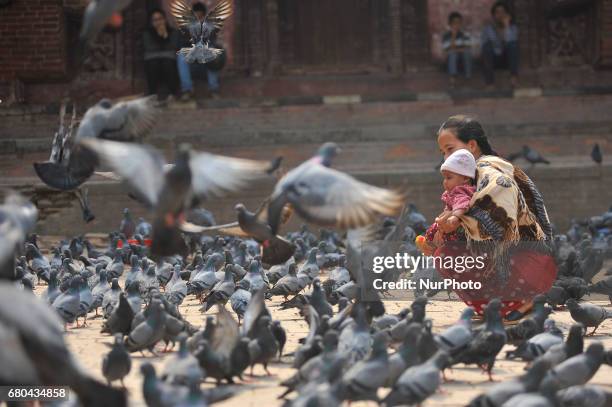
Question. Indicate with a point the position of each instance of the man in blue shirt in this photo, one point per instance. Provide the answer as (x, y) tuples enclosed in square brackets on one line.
[(500, 49)]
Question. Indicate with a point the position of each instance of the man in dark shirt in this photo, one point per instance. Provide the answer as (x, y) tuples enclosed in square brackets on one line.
[(500, 49)]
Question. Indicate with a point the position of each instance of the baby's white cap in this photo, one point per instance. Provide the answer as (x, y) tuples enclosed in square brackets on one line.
[(460, 162)]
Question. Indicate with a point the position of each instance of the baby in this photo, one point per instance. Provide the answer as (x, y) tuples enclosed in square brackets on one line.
[(458, 172)]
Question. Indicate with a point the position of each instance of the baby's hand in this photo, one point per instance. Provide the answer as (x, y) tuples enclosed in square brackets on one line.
[(453, 220), (443, 217)]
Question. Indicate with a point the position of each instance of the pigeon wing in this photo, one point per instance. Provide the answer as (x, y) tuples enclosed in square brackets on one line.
[(141, 167), (216, 175), (183, 13), (221, 12)]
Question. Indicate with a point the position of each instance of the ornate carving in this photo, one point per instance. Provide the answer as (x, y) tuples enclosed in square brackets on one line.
[(568, 40)]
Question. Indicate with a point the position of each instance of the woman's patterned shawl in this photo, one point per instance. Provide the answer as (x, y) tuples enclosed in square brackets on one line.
[(506, 209)]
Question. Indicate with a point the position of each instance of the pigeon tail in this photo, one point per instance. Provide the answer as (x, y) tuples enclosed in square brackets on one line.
[(92, 393)]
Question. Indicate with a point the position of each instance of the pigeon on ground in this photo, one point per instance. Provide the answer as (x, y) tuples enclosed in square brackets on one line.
[(111, 298), (120, 319), (530, 155), (173, 189), (38, 263), (85, 301), (573, 346), (286, 285), (498, 394), (538, 345), (52, 290), (456, 337), (240, 299), (144, 228), (588, 395), (182, 367), (263, 347), (222, 291), (328, 197), (418, 382), (589, 315), (362, 380), (280, 335), (33, 351), (576, 370), (127, 226), (133, 296), (485, 346), (407, 354), (99, 290), (355, 341), (67, 303), (117, 363), (319, 301), (146, 334), (603, 286)]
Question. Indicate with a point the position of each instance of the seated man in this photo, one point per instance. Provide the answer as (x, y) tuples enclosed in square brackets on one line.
[(456, 44), (211, 69), (500, 49)]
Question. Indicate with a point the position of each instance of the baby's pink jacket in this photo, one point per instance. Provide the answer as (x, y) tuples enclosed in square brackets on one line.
[(458, 198)]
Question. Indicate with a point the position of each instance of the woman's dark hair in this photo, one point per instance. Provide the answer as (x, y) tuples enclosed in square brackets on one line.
[(466, 129), (199, 7), (454, 15), (500, 3)]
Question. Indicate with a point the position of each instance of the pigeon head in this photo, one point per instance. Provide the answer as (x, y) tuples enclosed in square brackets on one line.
[(467, 314), (118, 339), (115, 284), (240, 208), (572, 304), (244, 285), (264, 321), (381, 340), (183, 152), (549, 325), (316, 284), (292, 268), (147, 369), (440, 359), (595, 350), (105, 103), (133, 287), (327, 152), (312, 255), (27, 284)]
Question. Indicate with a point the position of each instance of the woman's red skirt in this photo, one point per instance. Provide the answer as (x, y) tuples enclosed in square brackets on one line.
[(531, 273)]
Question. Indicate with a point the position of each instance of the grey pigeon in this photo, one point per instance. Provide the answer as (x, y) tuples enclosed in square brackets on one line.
[(85, 301), (362, 380), (133, 296), (280, 335), (182, 367), (538, 345), (406, 356), (99, 291), (485, 346), (498, 394), (589, 315), (263, 347), (355, 341), (418, 382), (117, 363), (576, 370), (326, 196), (240, 299), (603, 286), (111, 298), (530, 155), (457, 336), (319, 301), (146, 334), (33, 351), (38, 263), (120, 319), (177, 291), (573, 346), (222, 291), (589, 395), (52, 290), (127, 226), (286, 285), (67, 303), (144, 228)]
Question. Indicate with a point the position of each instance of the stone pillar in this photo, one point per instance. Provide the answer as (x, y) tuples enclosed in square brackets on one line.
[(605, 34), (272, 36)]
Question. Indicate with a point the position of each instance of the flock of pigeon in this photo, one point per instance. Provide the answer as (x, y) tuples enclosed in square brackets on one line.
[(353, 347)]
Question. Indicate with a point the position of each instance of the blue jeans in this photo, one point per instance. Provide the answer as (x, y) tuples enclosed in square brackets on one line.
[(453, 62), (186, 71), (508, 59)]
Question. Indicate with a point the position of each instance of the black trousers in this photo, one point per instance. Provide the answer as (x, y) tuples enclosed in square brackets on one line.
[(162, 77), (509, 60)]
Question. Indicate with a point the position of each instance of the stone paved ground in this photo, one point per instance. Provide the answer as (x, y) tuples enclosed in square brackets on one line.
[(89, 346)]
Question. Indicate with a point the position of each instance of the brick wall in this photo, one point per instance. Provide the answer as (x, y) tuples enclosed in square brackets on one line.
[(606, 33), (32, 41)]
